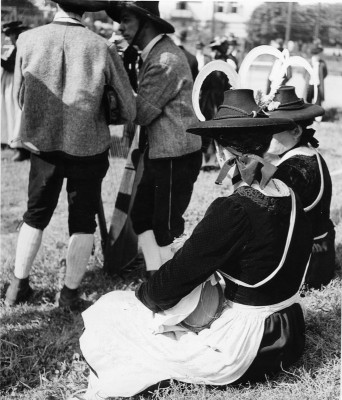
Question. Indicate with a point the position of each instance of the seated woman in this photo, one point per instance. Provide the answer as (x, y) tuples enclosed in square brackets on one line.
[(258, 238), (303, 169)]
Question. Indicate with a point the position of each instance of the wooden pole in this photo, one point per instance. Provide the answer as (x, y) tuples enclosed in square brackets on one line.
[(288, 22), (318, 21)]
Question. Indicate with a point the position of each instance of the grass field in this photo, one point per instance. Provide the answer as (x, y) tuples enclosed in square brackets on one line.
[(40, 356)]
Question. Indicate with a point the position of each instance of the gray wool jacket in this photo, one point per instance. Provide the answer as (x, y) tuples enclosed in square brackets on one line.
[(164, 103), (60, 74)]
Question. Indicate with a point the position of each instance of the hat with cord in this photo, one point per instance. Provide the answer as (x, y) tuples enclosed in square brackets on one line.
[(148, 10), (286, 104)]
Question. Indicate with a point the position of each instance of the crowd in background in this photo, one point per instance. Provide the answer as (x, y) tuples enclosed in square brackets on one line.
[(226, 47)]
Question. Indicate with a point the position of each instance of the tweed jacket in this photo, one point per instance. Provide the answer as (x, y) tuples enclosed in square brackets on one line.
[(61, 70), (164, 104)]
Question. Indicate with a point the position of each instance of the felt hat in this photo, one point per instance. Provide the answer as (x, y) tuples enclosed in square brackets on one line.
[(219, 43), (289, 105), (239, 113), (316, 50), (144, 9), (14, 27), (85, 5)]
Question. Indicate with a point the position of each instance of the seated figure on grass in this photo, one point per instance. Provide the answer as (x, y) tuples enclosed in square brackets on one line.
[(258, 238), (303, 169)]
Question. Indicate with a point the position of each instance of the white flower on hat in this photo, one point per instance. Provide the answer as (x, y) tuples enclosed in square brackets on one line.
[(273, 105)]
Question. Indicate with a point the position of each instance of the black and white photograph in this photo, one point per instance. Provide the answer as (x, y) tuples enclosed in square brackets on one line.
[(171, 200)]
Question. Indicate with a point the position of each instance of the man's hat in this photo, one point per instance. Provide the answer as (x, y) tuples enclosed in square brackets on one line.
[(145, 9), (286, 104), (218, 42), (14, 27), (85, 5), (316, 50), (239, 113)]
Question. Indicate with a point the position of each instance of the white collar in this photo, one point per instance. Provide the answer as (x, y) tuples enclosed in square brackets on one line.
[(62, 16), (146, 51)]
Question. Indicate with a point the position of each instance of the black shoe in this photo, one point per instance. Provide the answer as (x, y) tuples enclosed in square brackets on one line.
[(19, 291), (70, 300), (21, 155)]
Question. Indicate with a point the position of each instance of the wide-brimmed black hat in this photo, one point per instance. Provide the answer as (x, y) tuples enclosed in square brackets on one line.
[(316, 50), (85, 5), (293, 107), (239, 113), (145, 9), (14, 27)]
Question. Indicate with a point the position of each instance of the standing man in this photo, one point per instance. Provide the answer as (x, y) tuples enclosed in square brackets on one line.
[(172, 157), (180, 40), (60, 74)]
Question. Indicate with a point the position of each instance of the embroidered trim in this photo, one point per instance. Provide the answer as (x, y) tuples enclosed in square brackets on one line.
[(272, 204)]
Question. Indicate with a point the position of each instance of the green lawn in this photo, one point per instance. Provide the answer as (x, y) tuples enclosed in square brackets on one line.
[(40, 356)]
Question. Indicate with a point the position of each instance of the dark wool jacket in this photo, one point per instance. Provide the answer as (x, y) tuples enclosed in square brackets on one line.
[(243, 235), (301, 173)]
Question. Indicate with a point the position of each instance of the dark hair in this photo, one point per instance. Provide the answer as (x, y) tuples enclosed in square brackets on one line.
[(248, 143)]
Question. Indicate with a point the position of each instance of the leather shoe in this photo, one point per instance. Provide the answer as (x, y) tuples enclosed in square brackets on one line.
[(19, 291), (21, 155)]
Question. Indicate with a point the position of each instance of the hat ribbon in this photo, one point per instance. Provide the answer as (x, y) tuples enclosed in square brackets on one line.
[(247, 164), (259, 113)]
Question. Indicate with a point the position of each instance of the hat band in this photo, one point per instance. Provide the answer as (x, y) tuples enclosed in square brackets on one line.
[(298, 102), (254, 114)]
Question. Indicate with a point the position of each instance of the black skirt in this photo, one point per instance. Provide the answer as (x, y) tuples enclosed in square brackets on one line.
[(282, 344)]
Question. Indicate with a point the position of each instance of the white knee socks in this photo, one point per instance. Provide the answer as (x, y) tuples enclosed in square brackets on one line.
[(28, 244), (79, 251), (147, 243), (165, 253)]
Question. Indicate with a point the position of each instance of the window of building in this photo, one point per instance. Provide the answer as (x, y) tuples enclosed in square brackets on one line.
[(234, 8), (181, 5)]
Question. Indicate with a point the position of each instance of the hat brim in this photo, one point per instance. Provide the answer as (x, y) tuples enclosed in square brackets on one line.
[(114, 12), (85, 5), (220, 129), (15, 31), (277, 124), (306, 112)]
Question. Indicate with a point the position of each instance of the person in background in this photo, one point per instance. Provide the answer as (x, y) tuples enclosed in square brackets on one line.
[(10, 111), (211, 98), (180, 39), (201, 57), (172, 157), (232, 52), (134, 341), (60, 74), (321, 72), (303, 169)]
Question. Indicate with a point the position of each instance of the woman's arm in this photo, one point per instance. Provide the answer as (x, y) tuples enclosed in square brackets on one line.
[(221, 235)]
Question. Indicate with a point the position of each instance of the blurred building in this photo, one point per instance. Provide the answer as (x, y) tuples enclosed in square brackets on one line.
[(207, 19)]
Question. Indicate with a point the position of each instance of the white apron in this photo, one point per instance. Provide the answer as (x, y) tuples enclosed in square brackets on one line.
[(131, 348)]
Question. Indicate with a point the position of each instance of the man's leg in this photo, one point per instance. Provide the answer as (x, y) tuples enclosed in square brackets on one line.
[(84, 180), (175, 179), (142, 215), (45, 182)]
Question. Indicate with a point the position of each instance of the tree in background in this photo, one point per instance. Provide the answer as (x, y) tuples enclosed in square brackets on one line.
[(268, 21), (22, 10)]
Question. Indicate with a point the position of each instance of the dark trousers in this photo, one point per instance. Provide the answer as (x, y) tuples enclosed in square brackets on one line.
[(164, 194), (84, 179)]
